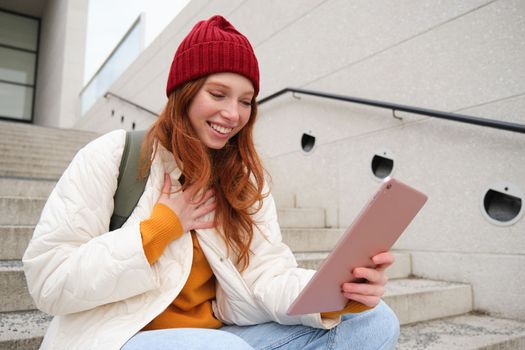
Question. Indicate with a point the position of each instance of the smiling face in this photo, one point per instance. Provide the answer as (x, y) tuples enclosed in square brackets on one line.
[(221, 108)]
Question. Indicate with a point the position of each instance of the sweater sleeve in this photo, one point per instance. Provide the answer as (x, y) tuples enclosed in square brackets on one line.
[(158, 231), (351, 308)]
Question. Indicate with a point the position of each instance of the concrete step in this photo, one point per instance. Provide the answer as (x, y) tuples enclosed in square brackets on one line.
[(24, 187), (13, 287), (311, 260), (37, 175), (416, 300), (25, 160), (31, 157), (31, 130), (463, 332), (22, 330), (301, 217), (54, 140), (42, 131), (64, 138), (39, 150), (14, 241), (20, 210), (311, 239), (41, 165), (400, 269), (28, 171)]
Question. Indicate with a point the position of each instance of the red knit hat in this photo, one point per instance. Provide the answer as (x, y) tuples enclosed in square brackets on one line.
[(213, 46)]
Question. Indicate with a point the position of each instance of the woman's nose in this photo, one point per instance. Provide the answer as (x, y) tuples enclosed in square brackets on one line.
[(231, 112)]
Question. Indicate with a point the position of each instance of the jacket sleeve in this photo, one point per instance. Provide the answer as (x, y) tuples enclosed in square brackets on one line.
[(273, 275), (72, 262)]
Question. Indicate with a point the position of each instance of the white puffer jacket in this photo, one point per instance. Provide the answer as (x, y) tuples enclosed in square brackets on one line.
[(99, 284)]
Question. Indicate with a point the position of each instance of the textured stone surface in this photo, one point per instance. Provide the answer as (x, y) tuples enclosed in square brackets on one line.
[(311, 239), (462, 333), (37, 131), (14, 241), (496, 279), (18, 187), (37, 170), (20, 210), (37, 152), (22, 330), (415, 300), (14, 295), (301, 217)]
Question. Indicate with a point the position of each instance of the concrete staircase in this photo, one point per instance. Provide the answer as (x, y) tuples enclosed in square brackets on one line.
[(31, 161), (434, 314)]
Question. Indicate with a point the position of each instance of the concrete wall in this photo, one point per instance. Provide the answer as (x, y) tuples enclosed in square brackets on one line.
[(60, 62), (465, 57), (462, 56)]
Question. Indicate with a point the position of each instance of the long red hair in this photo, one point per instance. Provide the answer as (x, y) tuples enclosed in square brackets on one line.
[(234, 172)]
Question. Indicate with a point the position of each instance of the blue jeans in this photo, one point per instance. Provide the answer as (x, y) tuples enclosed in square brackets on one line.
[(374, 329)]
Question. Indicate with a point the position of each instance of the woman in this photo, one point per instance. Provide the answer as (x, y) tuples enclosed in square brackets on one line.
[(200, 263)]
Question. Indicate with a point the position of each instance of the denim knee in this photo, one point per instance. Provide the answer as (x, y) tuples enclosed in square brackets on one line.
[(231, 342), (391, 326), (386, 323), (377, 328)]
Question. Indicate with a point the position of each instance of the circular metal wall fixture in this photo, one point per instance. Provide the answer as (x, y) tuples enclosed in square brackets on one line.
[(307, 142), (502, 204), (382, 164)]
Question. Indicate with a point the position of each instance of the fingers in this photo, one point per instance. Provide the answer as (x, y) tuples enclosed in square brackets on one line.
[(199, 213), (369, 293), (363, 289), (191, 206), (383, 260), (209, 194), (365, 293), (373, 276), (193, 197), (201, 225), (368, 300), (204, 210)]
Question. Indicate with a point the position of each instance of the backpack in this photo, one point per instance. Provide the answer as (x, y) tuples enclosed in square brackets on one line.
[(129, 186)]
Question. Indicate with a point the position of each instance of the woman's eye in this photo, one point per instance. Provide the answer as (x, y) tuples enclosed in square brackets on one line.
[(246, 103), (216, 94)]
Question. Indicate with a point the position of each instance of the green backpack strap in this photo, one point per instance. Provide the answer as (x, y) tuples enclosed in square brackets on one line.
[(129, 188)]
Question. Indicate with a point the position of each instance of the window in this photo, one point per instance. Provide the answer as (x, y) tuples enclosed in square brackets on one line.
[(18, 60)]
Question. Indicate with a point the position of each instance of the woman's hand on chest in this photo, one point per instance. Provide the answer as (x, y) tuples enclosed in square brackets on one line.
[(190, 207)]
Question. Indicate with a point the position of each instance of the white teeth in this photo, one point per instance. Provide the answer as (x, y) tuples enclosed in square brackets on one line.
[(220, 129)]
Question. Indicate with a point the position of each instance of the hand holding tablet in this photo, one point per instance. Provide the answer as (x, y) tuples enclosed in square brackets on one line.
[(374, 231)]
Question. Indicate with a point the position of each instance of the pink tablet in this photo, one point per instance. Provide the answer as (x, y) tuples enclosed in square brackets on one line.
[(375, 230)]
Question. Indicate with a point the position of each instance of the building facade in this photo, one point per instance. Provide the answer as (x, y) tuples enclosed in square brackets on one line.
[(455, 56)]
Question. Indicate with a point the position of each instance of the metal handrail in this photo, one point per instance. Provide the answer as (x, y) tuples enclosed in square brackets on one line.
[(491, 123), (107, 94)]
